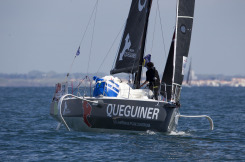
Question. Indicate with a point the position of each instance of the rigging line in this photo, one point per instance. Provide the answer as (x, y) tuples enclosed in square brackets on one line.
[(95, 7), (154, 32), (109, 50), (81, 41), (135, 5), (91, 43), (67, 75), (161, 29), (114, 64), (78, 85)]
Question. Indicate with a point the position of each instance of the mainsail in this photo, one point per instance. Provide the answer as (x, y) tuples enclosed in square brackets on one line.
[(174, 70), (131, 51)]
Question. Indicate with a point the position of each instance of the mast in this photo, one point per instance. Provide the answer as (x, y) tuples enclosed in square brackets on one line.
[(138, 74), (174, 70)]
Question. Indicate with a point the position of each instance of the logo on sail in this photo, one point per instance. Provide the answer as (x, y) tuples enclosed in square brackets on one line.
[(87, 108), (126, 47), (140, 7)]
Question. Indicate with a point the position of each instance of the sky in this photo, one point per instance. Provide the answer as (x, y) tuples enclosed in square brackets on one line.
[(44, 35)]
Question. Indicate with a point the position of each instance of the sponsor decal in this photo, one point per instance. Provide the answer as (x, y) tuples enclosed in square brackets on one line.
[(132, 123), (130, 53), (126, 47), (114, 110), (140, 7), (66, 110), (184, 64), (87, 108)]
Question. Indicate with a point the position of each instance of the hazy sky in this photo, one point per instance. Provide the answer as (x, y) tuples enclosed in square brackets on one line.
[(45, 34)]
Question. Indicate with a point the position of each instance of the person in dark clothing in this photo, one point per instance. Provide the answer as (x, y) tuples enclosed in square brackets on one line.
[(152, 77)]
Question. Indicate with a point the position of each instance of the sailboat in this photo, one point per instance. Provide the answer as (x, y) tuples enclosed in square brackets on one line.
[(132, 112)]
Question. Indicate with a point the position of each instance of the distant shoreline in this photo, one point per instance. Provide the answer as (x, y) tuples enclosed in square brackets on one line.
[(41, 79)]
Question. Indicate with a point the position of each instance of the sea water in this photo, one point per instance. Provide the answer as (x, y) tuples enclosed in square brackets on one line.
[(28, 132)]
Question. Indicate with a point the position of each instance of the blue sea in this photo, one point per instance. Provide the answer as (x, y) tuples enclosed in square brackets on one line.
[(28, 132)]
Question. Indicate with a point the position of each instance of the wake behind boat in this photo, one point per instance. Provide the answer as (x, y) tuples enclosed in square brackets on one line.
[(117, 106)]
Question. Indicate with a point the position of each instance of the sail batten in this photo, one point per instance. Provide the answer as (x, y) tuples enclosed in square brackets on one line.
[(185, 17)]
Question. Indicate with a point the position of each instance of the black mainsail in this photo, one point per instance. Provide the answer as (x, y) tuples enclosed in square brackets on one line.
[(174, 70), (131, 51)]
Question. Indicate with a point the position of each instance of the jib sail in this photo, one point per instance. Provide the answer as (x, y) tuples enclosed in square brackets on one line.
[(174, 70)]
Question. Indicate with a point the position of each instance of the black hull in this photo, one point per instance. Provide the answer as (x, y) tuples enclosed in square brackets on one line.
[(93, 114)]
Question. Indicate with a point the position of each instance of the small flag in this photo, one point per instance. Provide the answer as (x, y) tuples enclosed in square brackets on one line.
[(147, 59), (78, 51)]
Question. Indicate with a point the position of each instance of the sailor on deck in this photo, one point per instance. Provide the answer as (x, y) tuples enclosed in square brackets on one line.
[(152, 77)]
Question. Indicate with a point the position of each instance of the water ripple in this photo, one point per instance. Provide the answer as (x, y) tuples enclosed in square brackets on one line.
[(27, 132)]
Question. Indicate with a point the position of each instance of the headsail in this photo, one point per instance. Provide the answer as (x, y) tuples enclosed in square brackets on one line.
[(174, 71), (131, 51), (167, 78)]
